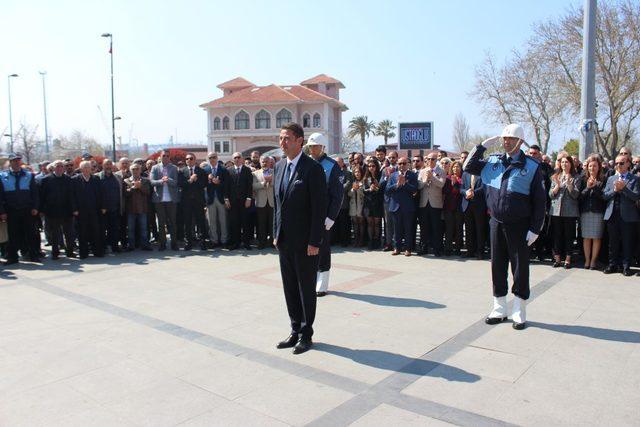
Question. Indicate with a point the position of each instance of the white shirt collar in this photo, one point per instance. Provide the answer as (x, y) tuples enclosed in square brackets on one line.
[(294, 161)]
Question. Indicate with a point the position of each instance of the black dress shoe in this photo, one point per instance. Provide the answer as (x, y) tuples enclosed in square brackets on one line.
[(518, 326), (610, 269), (187, 247), (162, 248), (494, 320), (288, 342), (321, 294), (557, 264), (11, 261), (303, 345), (247, 247), (627, 272)]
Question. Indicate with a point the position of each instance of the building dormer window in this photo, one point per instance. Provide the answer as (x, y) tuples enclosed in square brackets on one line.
[(316, 120), (216, 123), (242, 120), (283, 117), (306, 120), (263, 120), (225, 123)]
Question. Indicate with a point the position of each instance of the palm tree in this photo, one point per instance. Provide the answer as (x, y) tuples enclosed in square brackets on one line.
[(362, 127), (385, 129)]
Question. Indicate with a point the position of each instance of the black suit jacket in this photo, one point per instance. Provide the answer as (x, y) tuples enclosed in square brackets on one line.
[(240, 185), (193, 191), (87, 195), (299, 213), (219, 191)]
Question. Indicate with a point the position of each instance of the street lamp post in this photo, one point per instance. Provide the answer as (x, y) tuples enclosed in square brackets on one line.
[(587, 104), (10, 116), (44, 101), (113, 115)]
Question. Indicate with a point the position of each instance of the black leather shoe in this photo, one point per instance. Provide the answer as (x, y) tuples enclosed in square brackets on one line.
[(610, 269), (627, 272), (321, 294), (494, 320), (247, 247), (519, 326), (289, 342), (11, 261), (303, 345), (162, 248), (187, 247)]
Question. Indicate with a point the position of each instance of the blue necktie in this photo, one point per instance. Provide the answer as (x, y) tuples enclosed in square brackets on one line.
[(287, 178)]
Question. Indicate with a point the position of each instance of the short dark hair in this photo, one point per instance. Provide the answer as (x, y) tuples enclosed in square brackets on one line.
[(419, 156), (382, 148), (444, 153), (464, 152), (534, 147), (295, 128)]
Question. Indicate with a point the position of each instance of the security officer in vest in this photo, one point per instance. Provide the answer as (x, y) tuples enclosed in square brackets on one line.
[(316, 144), (20, 197), (516, 198)]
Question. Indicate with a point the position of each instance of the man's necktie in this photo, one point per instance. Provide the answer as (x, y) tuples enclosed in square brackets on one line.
[(287, 178)]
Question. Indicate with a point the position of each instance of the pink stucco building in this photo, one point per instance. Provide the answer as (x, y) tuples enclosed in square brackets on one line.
[(248, 117)]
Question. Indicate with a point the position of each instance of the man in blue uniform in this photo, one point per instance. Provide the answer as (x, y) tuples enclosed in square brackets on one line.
[(516, 197), (316, 143), (20, 210)]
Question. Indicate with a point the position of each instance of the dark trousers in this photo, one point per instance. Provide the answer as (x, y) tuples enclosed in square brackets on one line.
[(324, 261), (57, 227), (179, 223), (193, 214), (403, 237), (564, 233), (110, 223), (239, 223), (299, 273), (22, 230), (620, 234), (265, 225), (475, 224), (432, 221), (342, 228), (509, 245), (542, 246), (89, 234), (453, 221), (166, 212), (152, 226), (124, 224)]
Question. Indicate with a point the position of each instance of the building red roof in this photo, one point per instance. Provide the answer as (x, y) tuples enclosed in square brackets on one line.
[(322, 78), (270, 94), (237, 83)]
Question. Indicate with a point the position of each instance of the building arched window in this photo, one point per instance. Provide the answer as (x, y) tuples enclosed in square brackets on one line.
[(283, 117), (216, 123), (242, 120), (225, 123), (306, 120), (263, 120), (316, 120)]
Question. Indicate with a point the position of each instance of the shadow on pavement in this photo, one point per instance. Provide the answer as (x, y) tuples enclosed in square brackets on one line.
[(591, 332), (399, 363), (7, 275), (389, 301)]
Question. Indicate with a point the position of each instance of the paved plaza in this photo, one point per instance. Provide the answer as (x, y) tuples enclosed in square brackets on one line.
[(161, 340)]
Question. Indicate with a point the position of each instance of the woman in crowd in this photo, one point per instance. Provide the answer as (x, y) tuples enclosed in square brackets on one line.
[(356, 206), (373, 202), (453, 216), (445, 164), (564, 211), (592, 207)]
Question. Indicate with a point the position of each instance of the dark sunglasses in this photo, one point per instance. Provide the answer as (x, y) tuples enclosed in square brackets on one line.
[(402, 163), (190, 158), (212, 157), (432, 159), (621, 163)]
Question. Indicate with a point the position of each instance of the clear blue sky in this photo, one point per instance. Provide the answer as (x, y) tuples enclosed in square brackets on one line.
[(399, 60)]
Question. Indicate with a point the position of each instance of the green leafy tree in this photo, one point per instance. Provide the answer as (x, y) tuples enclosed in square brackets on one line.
[(572, 147), (361, 127), (385, 129)]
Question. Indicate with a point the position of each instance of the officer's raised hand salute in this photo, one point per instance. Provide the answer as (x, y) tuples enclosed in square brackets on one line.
[(516, 200)]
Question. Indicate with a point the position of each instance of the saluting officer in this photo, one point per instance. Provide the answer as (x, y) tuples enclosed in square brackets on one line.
[(516, 197), (334, 178)]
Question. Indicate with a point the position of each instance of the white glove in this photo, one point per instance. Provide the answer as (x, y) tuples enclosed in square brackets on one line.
[(531, 238), (328, 223), (490, 142)]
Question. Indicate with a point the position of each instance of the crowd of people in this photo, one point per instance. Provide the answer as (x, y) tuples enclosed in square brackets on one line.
[(431, 206)]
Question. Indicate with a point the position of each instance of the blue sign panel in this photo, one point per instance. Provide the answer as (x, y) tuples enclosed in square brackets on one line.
[(415, 136)]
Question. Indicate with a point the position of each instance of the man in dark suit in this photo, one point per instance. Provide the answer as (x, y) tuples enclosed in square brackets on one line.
[(621, 193), (399, 188), (217, 201), (88, 200), (57, 204), (193, 187), (240, 197), (298, 229), (474, 208)]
